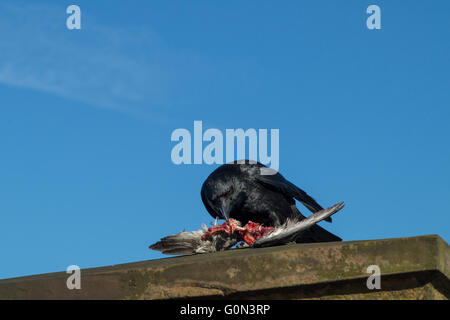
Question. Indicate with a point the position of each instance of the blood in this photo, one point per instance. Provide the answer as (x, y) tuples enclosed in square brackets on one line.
[(251, 232)]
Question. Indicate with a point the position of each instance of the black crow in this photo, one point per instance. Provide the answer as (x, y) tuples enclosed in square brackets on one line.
[(249, 191)]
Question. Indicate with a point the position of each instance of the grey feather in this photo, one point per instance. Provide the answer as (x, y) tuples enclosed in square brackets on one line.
[(292, 229)]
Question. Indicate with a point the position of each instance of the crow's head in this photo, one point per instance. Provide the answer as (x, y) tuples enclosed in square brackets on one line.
[(221, 196)]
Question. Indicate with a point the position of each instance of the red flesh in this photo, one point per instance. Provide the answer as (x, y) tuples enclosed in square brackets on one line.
[(251, 232)]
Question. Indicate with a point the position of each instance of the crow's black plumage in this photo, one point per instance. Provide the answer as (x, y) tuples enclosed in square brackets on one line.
[(246, 192)]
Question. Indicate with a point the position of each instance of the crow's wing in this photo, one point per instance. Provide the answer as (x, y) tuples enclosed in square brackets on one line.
[(278, 183)]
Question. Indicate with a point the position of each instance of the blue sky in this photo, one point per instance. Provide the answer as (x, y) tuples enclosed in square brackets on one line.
[(86, 117)]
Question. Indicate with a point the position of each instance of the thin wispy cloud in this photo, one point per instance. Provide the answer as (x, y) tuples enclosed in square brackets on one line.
[(99, 65)]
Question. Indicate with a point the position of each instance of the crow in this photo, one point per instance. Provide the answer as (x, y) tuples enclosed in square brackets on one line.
[(249, 191)]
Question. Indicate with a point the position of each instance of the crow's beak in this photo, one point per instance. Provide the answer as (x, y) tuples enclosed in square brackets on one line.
[(225, 210)]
